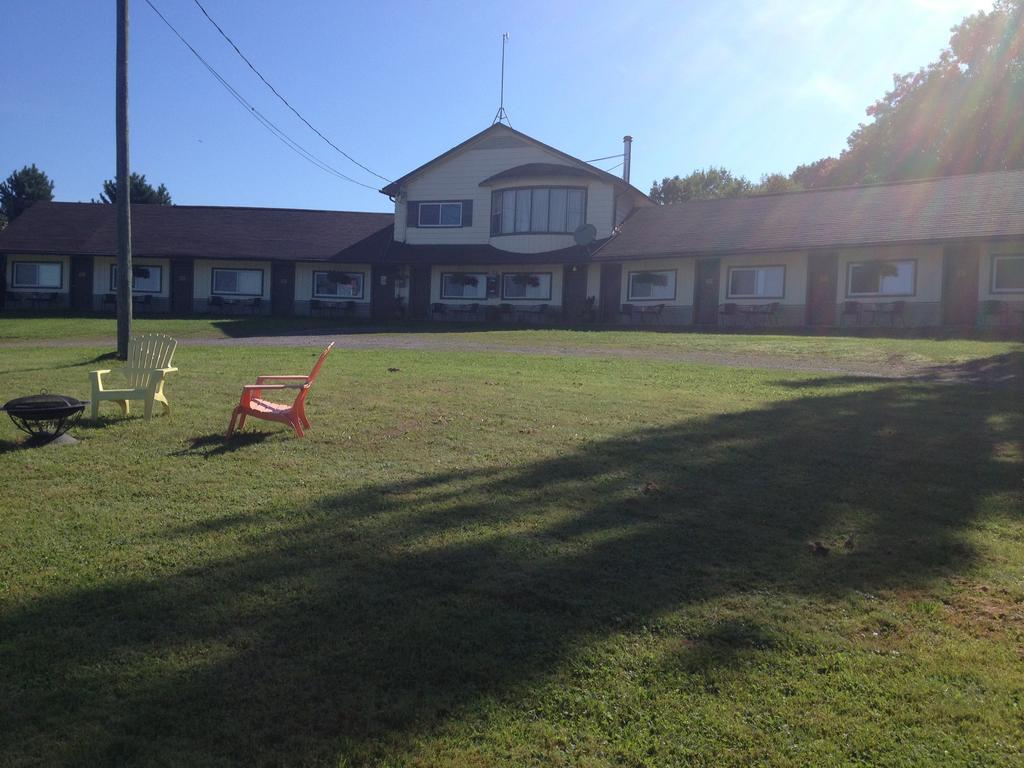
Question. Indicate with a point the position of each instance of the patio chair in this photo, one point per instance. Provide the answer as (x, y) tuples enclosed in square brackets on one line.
[(852, 312), (149, 362), (294, 415)]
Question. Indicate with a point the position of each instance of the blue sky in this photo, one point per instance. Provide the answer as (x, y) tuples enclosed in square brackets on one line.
[(756, 86)]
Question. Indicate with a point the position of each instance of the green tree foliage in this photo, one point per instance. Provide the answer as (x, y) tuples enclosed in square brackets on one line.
[(963, 113), (20, 190), (773, 183), (141, 191), (708, 184), (716, 183)]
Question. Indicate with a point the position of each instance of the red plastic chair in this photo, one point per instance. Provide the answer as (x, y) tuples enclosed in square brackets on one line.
[(294, 415)]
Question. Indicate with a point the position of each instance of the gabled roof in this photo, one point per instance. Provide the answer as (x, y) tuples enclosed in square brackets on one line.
[(209, 232), (984, 205), (392, 189)]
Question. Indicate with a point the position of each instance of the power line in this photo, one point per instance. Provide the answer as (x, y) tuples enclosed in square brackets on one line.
[(282, 98), (259, 116), (610, 157)]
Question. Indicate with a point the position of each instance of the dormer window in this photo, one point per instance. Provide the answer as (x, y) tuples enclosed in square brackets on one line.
[(440, 214), (538, 210)]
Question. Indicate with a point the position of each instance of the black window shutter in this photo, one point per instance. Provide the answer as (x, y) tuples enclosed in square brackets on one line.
[(467, 213), (412, 216)]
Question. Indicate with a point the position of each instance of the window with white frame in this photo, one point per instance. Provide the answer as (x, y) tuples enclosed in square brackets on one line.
[(881, 278), (463, 285), (526, 285), (237, 282), (756, 282), (37, 274), (338, 285), (145, 278), (652, 285), (440, 214), (1008, 274), (538, 209)]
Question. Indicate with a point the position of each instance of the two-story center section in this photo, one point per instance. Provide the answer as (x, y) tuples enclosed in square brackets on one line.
[(505, 225)]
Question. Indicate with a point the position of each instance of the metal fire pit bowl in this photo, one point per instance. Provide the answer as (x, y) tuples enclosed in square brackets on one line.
[(46, 418)]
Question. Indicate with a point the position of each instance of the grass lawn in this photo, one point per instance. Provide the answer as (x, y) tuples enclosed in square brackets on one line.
[(849, 349), (493, 559)]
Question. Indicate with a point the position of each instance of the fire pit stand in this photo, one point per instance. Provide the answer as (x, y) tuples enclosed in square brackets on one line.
[(46, 418)]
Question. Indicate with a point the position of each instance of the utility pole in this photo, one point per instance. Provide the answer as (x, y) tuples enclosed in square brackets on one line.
[(124, 211)]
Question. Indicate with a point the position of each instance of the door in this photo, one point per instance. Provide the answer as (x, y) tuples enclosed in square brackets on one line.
[(81, 282), (282, 288), (822, 284), (419, 292), (960, 285), (181, 285), (611, 292), (382, 298), (574, 292), (705, 292)]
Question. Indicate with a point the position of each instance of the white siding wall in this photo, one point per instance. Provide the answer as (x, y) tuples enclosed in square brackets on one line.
[(304, 280), (201, 286), (678, 311), (497, 271), (924, 307), (65, 279), (459, 177), (795, 293), (101, 275), (988, 252)]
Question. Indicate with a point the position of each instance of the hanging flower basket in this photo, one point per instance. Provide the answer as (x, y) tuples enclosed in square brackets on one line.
[(340, 278), (524, 278), (651, 278)]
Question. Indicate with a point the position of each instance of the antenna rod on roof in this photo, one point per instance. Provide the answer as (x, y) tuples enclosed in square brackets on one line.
[(502, 115)]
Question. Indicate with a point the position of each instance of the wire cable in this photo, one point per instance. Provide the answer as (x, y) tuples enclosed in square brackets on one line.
[(609, 170), (255, 113), (610, 157), (282, 98)]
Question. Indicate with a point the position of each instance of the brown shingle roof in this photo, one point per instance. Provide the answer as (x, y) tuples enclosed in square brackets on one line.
[(210, 232), (989, 205)]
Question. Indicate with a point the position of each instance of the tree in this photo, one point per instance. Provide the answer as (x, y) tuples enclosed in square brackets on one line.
[(814, 175), (774, 183), (20, 190), (707, 184), (961, 114), (141, 191)]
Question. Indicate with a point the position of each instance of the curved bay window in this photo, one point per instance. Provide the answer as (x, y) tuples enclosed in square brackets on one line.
[(538, 210)]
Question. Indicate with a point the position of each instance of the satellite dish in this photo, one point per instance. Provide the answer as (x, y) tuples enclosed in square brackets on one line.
[(584, 234)]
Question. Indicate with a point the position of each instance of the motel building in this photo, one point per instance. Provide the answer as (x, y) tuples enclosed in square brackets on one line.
[(506, 229)]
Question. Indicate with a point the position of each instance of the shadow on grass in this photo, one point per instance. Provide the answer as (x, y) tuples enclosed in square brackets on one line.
[(216, 444), (103, 358), (365, 621)]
